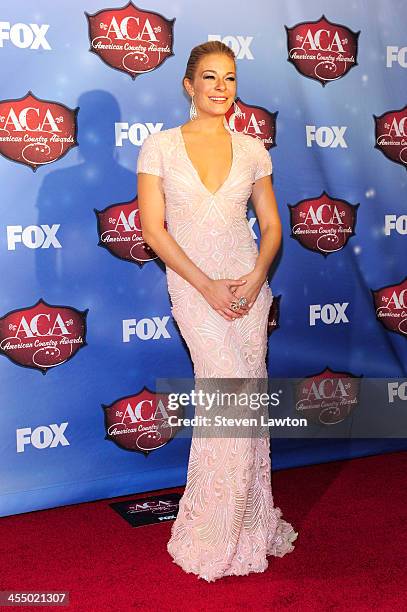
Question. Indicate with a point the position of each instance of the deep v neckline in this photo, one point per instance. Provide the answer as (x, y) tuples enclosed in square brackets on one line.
[(212, 193)]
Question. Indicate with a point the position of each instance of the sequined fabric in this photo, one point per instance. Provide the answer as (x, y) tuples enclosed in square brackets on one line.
[(227, 523)]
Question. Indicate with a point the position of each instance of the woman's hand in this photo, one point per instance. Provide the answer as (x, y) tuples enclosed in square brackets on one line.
[(251, 289), (219, 294)]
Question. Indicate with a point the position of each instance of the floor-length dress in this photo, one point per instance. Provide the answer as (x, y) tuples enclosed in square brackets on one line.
[(227, 523)]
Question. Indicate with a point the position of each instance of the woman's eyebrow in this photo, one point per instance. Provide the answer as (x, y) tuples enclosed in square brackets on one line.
[(208, 70)]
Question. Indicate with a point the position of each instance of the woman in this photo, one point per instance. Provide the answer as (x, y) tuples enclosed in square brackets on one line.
[(199, 176)]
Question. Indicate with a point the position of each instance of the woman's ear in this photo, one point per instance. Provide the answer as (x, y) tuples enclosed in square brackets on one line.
[(187, 86)]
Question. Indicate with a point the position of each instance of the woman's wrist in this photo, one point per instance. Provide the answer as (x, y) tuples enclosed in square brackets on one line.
[(260, 273), (203, 283)]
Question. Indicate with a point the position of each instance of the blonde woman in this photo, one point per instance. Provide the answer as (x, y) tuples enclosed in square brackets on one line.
[(198, 177)]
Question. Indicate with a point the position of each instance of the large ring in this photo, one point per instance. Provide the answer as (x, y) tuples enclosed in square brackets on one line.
[(238, 303)]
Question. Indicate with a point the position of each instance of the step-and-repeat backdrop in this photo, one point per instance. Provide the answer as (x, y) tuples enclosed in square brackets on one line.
[(85, 319)]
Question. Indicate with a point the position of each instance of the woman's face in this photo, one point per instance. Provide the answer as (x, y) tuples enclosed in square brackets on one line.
[(215, 77)]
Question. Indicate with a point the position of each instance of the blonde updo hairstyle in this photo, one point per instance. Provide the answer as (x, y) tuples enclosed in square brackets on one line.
[(207, 48)]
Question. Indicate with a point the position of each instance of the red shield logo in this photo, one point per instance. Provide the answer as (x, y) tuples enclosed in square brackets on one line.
[(323, 225), (322, 50), (253, 120), (327, 398), (140, 422), (119, 232), (130, 39), (42, 336), (36, 132), (391, 135), (391, 307)]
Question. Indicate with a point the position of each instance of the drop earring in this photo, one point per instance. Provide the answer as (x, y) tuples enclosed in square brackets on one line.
[(236, 110), (192, 110)]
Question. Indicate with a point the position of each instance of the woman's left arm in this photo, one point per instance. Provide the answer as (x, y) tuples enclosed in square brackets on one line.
[(268, 217)]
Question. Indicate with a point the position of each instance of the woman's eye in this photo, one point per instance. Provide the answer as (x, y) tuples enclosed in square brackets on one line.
[(210, 76)]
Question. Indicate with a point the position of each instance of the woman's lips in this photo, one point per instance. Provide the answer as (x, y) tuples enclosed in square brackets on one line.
[(218, 101)]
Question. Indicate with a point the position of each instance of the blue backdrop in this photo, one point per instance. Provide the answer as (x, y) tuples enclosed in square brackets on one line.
[(55, 447)]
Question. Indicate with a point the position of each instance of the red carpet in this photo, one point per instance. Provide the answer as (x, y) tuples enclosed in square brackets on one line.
[(351, 551)]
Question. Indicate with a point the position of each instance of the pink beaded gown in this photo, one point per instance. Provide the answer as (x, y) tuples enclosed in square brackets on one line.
[(227, 523)]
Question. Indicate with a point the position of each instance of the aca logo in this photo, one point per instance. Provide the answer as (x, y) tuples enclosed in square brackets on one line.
[(146, 329), (42, 336), (136, 132), (140, 422), (120, 233), (273, 321), (390, 304), (33, 236), (157, 505), (322, 50), (397, 223), (42, 437), (391, 135), (323, 225), (36, 132), (328, 313), (240, 45), (253, 120), (24, 35), (130, 39), (326, 136), (327, 398)]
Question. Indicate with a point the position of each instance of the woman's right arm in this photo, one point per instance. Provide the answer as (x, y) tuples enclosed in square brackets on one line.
[(151, 203)]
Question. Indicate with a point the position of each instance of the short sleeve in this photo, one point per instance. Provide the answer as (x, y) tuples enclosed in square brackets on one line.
[(263, 165), (149, 158)]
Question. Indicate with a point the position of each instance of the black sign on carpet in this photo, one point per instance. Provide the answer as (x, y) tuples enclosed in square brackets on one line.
[(148, 510)]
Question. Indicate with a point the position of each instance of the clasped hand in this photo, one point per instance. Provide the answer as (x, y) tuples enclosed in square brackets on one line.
[(220, 293)]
